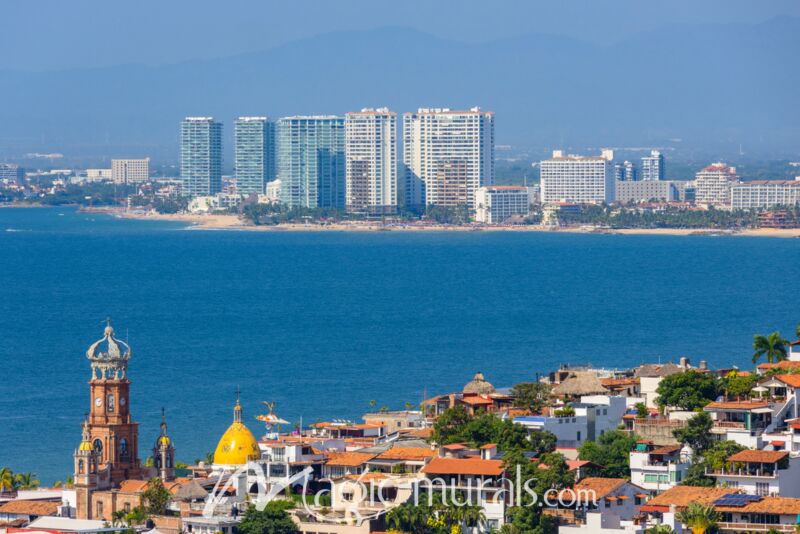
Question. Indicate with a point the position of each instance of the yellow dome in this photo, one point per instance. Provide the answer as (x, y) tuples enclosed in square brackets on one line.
[(85, 446), (237, 445), (163, 440)]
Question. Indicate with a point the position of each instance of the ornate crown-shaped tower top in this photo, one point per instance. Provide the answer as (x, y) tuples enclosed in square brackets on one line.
[(109, 356)]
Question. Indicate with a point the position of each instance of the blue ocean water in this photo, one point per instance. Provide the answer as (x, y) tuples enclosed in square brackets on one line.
[(323, 323)]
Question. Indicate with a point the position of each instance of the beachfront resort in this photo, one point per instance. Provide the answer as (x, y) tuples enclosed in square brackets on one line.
[(659, 447)]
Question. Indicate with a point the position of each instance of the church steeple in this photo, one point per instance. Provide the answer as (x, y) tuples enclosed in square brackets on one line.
[(112, 433), (164, 452)]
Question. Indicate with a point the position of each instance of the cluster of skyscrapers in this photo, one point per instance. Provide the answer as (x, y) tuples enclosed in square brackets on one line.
[(348, 162)]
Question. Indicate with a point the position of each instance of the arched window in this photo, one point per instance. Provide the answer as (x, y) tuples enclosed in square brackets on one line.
[(80, 466), (110, 403), (123, 449), (98, 445)]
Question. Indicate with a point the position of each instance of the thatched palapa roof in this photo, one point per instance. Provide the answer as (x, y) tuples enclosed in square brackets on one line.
[(580, 383)]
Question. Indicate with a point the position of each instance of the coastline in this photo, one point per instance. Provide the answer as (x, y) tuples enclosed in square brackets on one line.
[(233, 222)]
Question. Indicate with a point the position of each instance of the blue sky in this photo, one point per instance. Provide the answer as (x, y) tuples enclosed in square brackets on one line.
[(57, 34)]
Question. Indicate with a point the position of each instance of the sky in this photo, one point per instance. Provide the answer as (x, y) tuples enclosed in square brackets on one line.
[(44, 35)]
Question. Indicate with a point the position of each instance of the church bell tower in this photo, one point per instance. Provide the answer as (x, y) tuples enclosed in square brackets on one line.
[(111, 432)]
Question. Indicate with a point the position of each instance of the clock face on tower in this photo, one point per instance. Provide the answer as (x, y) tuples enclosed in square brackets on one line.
[(98, 401)]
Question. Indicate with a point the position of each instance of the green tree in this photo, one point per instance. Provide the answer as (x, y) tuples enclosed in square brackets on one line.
[(450, 426), (696, 433), (26, 481), (156, 497), (7, 480), (713, 458), (660, 529), (771, 347), (531, 396), (641, 410), (273, 519), (611, 452), (699, 517), (737, 385), (688, 390)]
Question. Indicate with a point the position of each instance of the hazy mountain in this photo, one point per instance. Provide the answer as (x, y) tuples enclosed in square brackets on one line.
[(709, 85)]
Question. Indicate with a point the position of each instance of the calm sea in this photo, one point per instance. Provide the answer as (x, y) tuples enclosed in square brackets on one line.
[(324, 323)]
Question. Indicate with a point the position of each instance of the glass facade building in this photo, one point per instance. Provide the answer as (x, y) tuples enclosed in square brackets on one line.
[(311, 161), (201, 156), (254, 154)]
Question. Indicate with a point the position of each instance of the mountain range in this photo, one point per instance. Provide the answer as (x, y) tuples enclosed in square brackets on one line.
[(711, 86)]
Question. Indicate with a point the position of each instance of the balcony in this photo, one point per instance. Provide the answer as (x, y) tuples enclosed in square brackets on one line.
[(743, 473), (754, 527)]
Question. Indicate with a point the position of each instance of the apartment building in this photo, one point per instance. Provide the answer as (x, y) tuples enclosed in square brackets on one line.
[(130, 171), (713, 185), (254, 154), (447, 156), (646, 190), (652, 166), (201, 156), (311, 161), (759, 194), (578, 179), (371, 161), (495, 204)]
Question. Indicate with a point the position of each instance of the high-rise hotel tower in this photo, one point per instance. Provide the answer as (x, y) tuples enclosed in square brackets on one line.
[(371, 161), (201, 156), (447, 156), (311, 162), (254, 157)]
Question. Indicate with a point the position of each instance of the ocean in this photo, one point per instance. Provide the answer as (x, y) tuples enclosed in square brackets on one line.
[(323, 323)]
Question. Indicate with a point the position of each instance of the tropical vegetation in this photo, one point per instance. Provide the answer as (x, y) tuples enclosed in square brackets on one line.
[(700, 518)]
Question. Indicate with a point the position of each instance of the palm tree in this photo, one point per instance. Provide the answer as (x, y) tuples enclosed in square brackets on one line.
[(8, 482), (773, 347), (660, 529), (118, 518), (26, 481), (699, 517)]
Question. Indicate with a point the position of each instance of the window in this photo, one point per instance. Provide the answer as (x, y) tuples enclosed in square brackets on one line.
[(637, 500), (579, 436), (762, 488), (110, 404), (99, 509), (620, 502), (98, 445), (608, 503)]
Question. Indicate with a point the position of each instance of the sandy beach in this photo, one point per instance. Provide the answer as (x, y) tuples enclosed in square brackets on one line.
[(233, 222)]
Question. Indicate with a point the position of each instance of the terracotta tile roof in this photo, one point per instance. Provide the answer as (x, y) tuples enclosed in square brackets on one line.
[(132, 486), (349, 459), (368, 477), (791, 380), (766, 457), (464, 466), (423, 433), (737, 405), (477, 400), (767, 505), (681, 496), (599, 485), (407, 453), (785, 364), (666, 449), (23, 507), (616, 382), (489, 446), (577, 464), (454, 447)]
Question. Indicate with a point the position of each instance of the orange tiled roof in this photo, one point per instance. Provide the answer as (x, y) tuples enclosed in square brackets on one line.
[(767, 505), (766, 457), (737, 405), (132, 486), (611, 382), (464, 466), (24, 507), (682, 496), (791, 380), (666, 449), (407, 453), (599, 485), (785, 364), (349, 459), (477, 400)]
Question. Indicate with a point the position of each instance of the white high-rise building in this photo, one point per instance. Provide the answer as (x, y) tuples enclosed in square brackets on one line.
[(758, 194), (130, 171), (580, 179), (254, 154), (371, 161), (447, 156), (652, 166), (713, 185), (495, 204)]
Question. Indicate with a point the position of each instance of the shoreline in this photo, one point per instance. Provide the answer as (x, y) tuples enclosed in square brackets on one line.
[(234, 223)]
